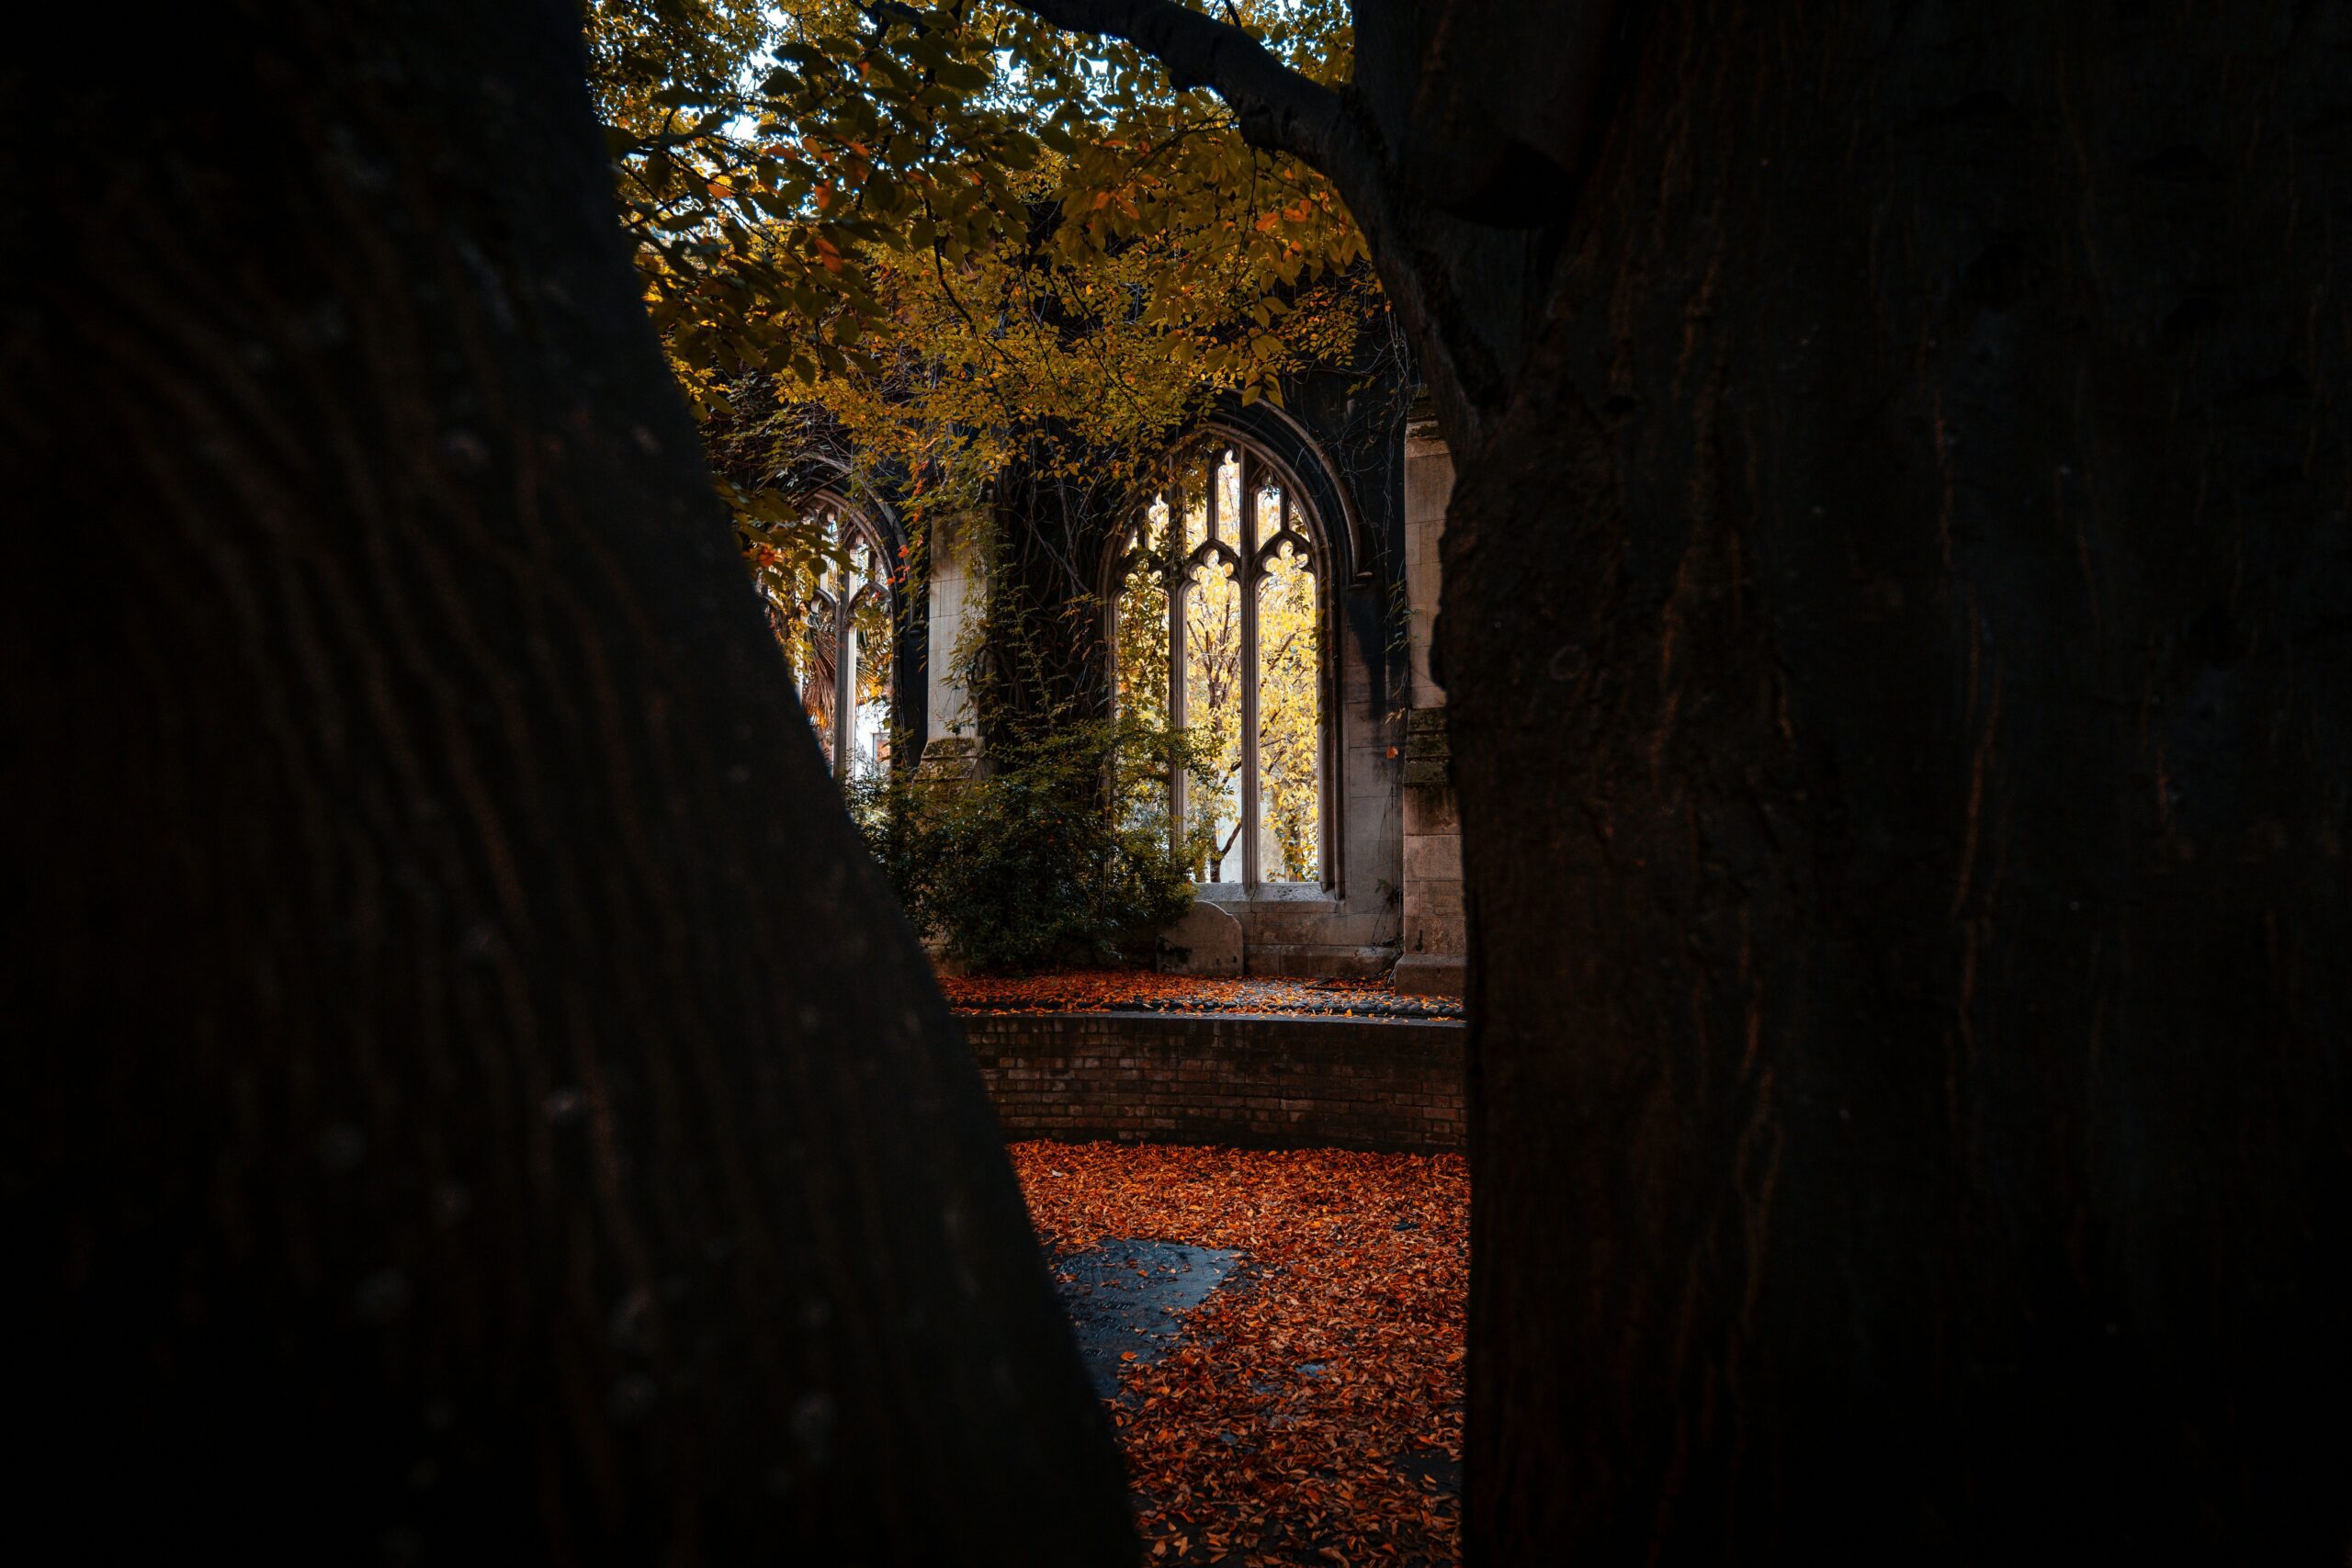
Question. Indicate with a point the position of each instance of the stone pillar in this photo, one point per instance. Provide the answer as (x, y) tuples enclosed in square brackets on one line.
[(1434, 958), (1428, 486), (955, 601), (951, 748)]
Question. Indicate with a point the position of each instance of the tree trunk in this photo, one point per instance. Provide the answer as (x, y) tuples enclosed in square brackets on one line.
[(1901, 696), (1047, 662), (470, 1096)]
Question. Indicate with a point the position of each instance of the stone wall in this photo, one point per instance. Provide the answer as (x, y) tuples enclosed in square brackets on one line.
[(1249, 1081), (1429, 490), (1435, 941), (1436, 937), (1392, 904), (954, 602)]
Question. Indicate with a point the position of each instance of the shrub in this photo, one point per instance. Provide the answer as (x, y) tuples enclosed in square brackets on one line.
[(1058, 855)]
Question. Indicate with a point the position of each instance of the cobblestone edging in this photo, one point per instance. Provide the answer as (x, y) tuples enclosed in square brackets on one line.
[(1254, 1080)]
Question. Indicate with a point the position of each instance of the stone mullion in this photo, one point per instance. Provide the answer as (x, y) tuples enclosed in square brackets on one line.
[(1246, 524), (1327, 679), (1178, 571), (844, 673)]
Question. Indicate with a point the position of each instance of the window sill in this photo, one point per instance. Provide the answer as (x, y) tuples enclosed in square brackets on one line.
[(1308, 897)]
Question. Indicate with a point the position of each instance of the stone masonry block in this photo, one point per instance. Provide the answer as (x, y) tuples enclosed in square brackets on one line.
[(1435, 934), (1432, 857), (1208, 940), (1433, 897), (1432, 810), (1425, 733)]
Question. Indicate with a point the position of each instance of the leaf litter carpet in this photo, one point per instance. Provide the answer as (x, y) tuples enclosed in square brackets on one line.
[(1145, 990), (1303, 1402)]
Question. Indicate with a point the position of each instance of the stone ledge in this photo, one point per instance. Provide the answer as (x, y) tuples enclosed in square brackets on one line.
[(1433, 974)]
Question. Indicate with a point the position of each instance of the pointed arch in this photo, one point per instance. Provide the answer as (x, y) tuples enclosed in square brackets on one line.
[(841, 640), (1220, 605)]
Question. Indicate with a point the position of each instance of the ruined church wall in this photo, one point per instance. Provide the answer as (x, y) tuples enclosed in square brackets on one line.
[(1381, 479)]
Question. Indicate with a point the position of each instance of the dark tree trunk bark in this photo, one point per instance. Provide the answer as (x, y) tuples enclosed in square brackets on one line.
[(1046, 661), (1900, 671), (468, 1095)]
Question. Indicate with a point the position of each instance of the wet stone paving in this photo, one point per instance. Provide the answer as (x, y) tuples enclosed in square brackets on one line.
[(1126, 1299)]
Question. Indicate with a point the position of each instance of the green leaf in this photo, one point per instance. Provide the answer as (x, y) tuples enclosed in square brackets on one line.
[(962, 76)]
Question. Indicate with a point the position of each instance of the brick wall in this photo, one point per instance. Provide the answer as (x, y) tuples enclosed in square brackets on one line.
[(1253, 1080)]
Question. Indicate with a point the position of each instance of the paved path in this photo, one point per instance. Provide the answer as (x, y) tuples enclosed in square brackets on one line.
[(1126, 1296)]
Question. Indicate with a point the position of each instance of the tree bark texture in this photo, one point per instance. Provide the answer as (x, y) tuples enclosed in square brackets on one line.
[(470, 1096), (1045, 661), (1899, 646)]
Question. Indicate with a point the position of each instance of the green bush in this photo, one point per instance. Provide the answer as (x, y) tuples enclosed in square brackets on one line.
[(1059, 855)]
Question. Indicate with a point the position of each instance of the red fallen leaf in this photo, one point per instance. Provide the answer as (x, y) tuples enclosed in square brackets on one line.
[(1096, 989), (1236, 1434)]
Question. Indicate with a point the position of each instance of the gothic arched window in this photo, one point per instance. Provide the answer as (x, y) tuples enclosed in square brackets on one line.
[(837, 640), (1225, 568)]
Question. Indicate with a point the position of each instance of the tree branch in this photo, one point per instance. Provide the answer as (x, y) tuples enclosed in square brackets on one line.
[(1283, 111), (1278, 109)]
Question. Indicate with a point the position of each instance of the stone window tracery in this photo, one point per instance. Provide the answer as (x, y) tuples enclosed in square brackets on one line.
[(837, 640), (1226, 567)]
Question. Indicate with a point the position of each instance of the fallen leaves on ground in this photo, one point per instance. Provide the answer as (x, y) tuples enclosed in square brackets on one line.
[(1145, 990), (1312, 1412)]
